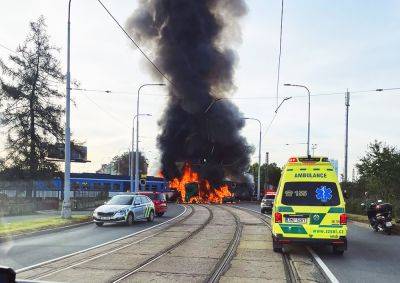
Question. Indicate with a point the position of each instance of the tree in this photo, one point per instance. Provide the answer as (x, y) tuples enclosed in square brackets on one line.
[(31, 114), (379, 171), (121, 164), (274, 173)]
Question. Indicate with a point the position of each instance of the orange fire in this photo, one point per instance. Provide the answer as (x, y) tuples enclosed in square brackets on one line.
[(205, 192)]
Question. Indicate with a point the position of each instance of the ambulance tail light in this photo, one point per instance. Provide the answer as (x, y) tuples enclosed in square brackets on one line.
[(278, 217), (343, 219)]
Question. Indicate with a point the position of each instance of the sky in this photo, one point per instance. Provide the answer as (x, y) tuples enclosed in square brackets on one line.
[(329, 46)]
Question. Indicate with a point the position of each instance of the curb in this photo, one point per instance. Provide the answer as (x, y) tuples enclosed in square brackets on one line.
[(9, 238)]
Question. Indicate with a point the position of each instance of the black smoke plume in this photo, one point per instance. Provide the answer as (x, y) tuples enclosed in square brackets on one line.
[(189, 38)]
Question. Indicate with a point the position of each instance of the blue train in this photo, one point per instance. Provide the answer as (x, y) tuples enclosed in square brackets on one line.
[(94, 185)]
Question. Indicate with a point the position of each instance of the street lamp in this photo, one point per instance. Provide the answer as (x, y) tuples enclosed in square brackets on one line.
[(259, 157), (309, 114), (283, 101), (137, 134), (133, 150), (66, 206)]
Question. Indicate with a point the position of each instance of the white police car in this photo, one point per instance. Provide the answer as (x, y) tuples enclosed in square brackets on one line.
[(125, 208)]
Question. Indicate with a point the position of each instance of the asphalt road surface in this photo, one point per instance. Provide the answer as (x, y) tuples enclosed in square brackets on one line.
[(32, 250), (371, 256)]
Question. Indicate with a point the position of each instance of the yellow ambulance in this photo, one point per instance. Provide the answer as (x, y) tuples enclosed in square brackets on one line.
[(309, 206)]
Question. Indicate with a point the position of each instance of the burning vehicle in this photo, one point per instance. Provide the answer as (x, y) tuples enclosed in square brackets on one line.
[(200, 139)]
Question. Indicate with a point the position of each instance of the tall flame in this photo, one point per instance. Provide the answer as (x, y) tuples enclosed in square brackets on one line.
[(205, 194)]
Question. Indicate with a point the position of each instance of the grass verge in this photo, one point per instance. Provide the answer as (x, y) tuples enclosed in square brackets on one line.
[(364, 219), (26, 226)]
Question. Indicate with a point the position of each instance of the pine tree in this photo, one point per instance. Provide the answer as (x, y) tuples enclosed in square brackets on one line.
[(31, 111)]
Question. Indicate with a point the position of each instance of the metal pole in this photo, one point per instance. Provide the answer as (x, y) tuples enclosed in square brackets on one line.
[(66, 206), (309, 114), (129, 163), (259, 165), (346, 146), (259, 157), (137, 142), (309, 121), (266, 169), (131, 155), (137, 136)]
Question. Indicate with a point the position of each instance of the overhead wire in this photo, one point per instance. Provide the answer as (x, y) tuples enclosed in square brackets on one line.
[(108, 91), (279, 58), (136, 44), (9, 49), (115, 118)]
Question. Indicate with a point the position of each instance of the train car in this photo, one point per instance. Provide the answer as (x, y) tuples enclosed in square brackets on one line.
[(97, 185), (114, 184)]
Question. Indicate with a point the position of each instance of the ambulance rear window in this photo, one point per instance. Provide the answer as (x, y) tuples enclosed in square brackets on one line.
[(310, 194)]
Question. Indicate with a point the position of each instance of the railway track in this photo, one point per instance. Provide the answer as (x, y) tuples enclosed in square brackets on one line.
[(165, 251), (107, 251), (290, 269), (175, 241), (223, 263)]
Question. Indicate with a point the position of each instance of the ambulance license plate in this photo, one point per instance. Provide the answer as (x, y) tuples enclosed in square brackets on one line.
[(105, 218), (300, 220)]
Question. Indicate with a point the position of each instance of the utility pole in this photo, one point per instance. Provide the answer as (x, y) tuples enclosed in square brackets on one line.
[(346, 143), (266, 170), (66, 205)]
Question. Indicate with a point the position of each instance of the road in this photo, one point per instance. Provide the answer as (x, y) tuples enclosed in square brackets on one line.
[(371, 256), (32, 250)]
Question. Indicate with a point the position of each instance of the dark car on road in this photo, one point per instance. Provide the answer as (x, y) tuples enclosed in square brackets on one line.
[(267, 202), (159, 200)]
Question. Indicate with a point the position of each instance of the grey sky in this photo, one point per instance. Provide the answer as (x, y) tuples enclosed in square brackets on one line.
[(327, 45)]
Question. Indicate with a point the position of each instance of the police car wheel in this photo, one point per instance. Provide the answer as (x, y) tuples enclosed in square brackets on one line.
[(99, 224), (263, 211), (151, 216), (130, 219)]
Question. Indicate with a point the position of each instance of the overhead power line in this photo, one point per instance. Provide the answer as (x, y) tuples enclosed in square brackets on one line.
[(5, 47), (279, 58), (134, 42), (107, 112), (370, 91)]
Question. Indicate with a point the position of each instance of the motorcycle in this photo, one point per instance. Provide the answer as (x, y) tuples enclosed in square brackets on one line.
[(380, 216)]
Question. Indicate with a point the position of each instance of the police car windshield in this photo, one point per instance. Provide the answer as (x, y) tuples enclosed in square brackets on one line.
[(310, 194), (121, 200)]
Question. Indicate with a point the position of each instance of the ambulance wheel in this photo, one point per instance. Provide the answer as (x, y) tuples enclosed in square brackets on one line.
[(99, 224), (151, 216), (276, 247), (337, 250)]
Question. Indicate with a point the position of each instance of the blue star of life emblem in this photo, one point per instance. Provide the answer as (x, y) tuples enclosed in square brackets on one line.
[(323, 193)]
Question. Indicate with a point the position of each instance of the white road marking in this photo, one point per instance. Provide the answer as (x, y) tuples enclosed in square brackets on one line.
[(101, 245), (322, 265), (318, 260)]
